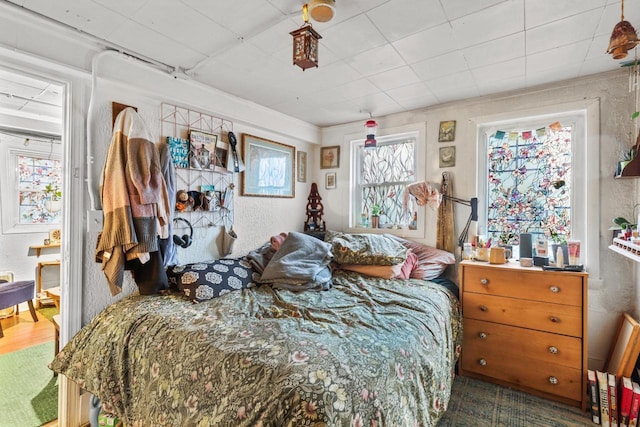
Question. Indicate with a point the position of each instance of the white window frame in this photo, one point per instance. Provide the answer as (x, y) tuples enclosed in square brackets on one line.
[(11, 148), (354, 141), (585, 201)]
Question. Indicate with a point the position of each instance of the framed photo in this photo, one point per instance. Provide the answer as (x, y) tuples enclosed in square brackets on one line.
[(221, 155), (203, 146), (447, 131), (301, 163), (269, 168), (447, 157), (330, 181), (330, 157), (626, 348)]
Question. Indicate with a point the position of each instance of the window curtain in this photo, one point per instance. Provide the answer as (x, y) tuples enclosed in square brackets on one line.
[(445, 239)]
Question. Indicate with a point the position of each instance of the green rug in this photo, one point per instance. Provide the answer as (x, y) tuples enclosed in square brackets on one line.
[(479, 404), (49, 312), (28, 389)]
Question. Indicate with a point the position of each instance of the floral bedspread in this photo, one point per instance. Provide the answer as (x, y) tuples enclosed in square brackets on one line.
[(368, 352)]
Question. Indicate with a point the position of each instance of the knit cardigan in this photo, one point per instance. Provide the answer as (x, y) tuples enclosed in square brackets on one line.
[(135, 202)]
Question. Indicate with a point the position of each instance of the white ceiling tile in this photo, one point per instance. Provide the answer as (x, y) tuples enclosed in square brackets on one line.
[(553, 74), (426, 44), (397, 77), (169, 17), (155, 45), (376, 60), (399, 18), (500, 86), (537, 11), (555, 34), (489, 24), (351, 37), (123, 7), (457, 8), (415, 90), (494, 51), (453, 86), (514, 68), (557, 58), (86, 16), (450, 63)]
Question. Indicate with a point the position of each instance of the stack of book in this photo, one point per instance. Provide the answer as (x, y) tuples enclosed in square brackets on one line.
[(615, 401)]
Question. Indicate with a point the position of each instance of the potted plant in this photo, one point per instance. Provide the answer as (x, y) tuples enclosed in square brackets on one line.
[(375, 216), (53, 197)]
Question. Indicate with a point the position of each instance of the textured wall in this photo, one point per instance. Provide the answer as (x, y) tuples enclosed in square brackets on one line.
[(615, 290)]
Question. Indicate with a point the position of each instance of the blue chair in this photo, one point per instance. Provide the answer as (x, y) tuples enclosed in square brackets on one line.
[(14, 293)]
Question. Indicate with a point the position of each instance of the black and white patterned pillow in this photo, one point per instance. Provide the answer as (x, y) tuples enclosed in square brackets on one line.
[(203, 281)]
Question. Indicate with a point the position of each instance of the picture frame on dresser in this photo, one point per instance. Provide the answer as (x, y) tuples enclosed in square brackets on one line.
[(625, 349)]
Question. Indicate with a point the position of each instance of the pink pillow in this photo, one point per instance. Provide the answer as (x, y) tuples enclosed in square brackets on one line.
[(409, 265), (431, 261), (276, 241)]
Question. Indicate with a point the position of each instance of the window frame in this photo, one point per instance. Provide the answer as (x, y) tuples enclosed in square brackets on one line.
[(11, 150), (585, 200), (355, 141)]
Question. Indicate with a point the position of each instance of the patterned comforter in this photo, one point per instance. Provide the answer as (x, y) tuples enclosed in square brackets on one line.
[(368, 352)]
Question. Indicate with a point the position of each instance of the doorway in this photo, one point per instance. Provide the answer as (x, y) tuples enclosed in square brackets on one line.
[(32, 111)]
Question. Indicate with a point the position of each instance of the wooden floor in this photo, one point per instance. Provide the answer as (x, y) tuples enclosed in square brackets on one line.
[(21, 332)]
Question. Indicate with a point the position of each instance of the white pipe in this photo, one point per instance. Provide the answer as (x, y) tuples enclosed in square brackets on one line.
[(90, 159)]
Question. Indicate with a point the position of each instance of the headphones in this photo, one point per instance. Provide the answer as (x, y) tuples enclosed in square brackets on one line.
[(186, 239)]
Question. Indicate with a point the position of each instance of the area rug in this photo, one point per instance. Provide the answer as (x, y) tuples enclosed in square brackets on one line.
[(49, 312), (28, 389), (480, 404)]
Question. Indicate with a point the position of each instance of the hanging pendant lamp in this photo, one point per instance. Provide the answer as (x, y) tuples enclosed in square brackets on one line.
[(623, 38), (305, 43)]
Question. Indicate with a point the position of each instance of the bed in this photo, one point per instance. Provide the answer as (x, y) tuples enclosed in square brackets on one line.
[(368, 351)]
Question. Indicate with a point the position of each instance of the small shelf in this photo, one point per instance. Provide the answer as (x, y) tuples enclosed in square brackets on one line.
[(626, 248)]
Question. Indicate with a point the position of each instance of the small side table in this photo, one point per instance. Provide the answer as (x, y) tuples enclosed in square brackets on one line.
[(39, 294), (54, 294)]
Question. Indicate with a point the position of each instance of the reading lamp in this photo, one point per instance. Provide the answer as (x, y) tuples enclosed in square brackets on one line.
[(424, 194)]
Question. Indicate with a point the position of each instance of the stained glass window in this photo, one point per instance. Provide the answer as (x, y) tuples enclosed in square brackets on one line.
[(529, 184), (382, 174), (35, 177)]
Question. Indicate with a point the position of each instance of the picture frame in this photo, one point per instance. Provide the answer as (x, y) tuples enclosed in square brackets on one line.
[(330, 180), (220, 156), (330, 157), (624, 352), (301, 166), (447, 132), (447, 156), (203, 146), (269, 168)]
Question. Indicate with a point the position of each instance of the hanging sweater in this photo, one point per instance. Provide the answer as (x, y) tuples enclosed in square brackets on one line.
[(135, 202)]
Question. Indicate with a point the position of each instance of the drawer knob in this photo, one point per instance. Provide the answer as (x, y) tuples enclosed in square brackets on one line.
[(554, 319), (553, 380), (484, 308), (482, 362), (484, 281), (482, 336), (553, 350), (554, 289)]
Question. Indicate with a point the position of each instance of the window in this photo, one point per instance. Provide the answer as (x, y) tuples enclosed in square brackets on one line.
[(31, 185), (529, 176), (379, 179)]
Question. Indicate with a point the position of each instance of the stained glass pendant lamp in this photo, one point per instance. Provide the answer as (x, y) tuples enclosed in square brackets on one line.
[(305, 43)]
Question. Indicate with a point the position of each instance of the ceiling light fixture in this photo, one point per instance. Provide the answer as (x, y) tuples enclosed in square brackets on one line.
[(623, 38), (305, 43), (322, 10)]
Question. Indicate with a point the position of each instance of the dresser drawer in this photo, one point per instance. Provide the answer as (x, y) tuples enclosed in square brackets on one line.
[(554, 318), (559, 287), (526, 372), (485, 338)]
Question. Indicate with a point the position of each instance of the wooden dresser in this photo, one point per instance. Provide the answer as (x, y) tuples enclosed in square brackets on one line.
[(525, 328)]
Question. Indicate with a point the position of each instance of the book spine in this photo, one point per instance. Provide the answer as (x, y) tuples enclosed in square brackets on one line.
[(625, 395), (613, 401), (603, 386), (635, 405), (594, 396)]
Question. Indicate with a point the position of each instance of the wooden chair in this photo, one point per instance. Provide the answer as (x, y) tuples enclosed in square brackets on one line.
[(14, 293)]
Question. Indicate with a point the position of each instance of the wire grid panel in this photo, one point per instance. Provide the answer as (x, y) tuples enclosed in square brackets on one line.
[(216, 184)]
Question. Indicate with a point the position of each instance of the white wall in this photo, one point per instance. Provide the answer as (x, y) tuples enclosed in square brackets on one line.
[(615, 290)]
